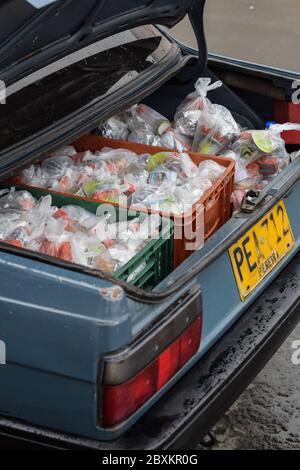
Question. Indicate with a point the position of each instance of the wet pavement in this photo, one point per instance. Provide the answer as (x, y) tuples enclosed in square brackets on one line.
[(267, 416)]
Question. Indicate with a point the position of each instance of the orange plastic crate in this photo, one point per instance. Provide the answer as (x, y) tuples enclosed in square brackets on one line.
[(205, 217), (216, 203)]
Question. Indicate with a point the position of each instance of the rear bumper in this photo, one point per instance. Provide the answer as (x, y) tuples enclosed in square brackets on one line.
[(189, 410)]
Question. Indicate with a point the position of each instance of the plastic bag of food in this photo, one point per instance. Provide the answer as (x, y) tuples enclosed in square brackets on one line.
[(175, 168), (269, 166), (166, 200), (16, 201), (117, 160), (105, 191), (67, 151), (237, 199), (13, 227), (145, 137), (144, 118), (61, 250), (190, 110), (87, 250), (105, 263), (132, 237), (201, 182), (189, 193), (76, 219), (55, 167), (211, 170), (135, 180), (160, 198), (23, 227), (115, 128), (216, 129), (163, 174), (250, 179), (253, 145), (172, 139), (57, 173), (34, 176), (142, 195)]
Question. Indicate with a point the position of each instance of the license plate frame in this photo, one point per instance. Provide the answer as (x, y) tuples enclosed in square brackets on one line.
[(256, 254)]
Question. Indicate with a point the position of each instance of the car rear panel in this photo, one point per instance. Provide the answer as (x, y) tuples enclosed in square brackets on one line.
[(59, 323), (191, 408)]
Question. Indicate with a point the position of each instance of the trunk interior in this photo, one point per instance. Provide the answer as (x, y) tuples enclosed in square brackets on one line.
[(250, 109)]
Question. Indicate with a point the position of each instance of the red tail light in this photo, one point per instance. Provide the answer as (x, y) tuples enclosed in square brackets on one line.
[(122, 400)]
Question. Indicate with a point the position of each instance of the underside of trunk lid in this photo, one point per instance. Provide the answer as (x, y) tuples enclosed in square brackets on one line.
[(34, 33)]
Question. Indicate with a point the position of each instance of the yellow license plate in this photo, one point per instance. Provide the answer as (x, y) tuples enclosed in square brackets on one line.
[(259, 250)]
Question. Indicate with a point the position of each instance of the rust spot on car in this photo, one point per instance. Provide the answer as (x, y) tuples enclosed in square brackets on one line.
[(112, 294)]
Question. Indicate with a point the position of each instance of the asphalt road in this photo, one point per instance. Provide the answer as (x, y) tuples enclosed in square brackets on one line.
[(267, 416), (261, 31)]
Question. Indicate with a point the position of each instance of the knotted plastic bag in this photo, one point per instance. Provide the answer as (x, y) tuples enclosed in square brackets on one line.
[(189, 111)]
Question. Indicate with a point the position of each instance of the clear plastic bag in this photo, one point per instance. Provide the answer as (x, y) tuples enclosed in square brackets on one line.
[(115, 128), (55, 167), (145, 137), (77, 219), (160, 198), (250, 179), (237, 199), (67, 151), (168, 197), (117, 160), (188, 113), (144, 118), (14, 228), (71, 233), (188, 194), (216, 129), (176, 168), (172, 139), (135, 180), (16, 201), (252, 145), (68, 183), (105, 191), (61, 250), (211, 170), (34, 176)]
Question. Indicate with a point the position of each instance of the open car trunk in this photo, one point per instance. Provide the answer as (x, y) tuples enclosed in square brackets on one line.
[(165, 100)]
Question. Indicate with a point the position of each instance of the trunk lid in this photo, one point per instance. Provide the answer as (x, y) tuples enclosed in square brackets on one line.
[(33, 33)]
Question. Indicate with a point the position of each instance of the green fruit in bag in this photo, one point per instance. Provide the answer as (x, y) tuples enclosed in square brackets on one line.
[(90, 187), (156, 160)]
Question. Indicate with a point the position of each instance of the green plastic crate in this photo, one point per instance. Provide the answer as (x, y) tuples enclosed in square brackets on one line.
[(152, 264)]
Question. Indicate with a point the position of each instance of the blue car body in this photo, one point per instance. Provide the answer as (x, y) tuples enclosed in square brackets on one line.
[(57, 323)]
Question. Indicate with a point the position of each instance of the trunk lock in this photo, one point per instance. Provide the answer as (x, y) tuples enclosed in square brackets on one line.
[(251, 200)]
